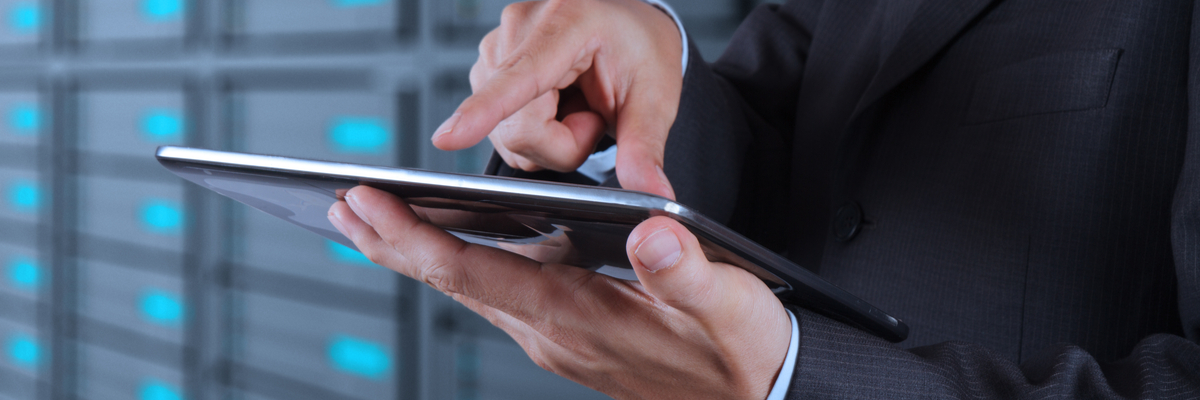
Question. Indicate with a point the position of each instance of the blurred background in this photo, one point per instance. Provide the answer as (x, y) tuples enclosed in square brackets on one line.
[(120, 281)]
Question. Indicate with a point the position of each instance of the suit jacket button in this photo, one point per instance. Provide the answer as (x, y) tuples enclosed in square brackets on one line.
[(848, 221)]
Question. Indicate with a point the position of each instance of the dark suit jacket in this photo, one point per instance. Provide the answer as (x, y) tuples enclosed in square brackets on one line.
[(1028, 173)]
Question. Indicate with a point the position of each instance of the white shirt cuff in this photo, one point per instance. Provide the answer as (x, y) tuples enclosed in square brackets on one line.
[(600, 166), (789, 363), (603, 165), (662, 5)]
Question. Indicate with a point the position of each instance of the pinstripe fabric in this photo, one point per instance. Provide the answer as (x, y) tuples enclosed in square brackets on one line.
[(1029, 172), (1028, 175), (839, 362)]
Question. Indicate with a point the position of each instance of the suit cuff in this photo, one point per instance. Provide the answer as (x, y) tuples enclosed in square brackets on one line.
[(784, 380), (662, 5)]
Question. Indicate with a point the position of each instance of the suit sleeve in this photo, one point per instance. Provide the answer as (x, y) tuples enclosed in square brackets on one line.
[(730, 142), (728, 151)]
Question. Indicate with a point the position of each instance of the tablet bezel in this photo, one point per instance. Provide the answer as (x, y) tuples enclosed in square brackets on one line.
[(790, 282)]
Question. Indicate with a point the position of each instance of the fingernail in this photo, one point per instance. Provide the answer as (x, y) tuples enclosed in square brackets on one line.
[(352, 200), (447, 126), (336, 220), (659, 250), (662, 176)]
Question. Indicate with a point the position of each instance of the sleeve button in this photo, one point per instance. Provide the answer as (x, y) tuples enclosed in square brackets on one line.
[(848, 221)]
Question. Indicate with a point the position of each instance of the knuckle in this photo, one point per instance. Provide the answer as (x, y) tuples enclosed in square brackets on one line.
[(517, 59), (556, 7), (484, 50), (492, 44), (488, 41), (440, 273), (373, 253), (515, 13), (528, 166), (476, 76), (557, 17), (442, 277), (508, 157), (519, 143), (394, 243), (572, 161)]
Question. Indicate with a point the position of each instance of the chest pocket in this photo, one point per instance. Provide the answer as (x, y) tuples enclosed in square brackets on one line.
[(1070, 81)]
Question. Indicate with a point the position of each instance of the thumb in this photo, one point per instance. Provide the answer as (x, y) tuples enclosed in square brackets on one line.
[(671, 265), (643, 125)]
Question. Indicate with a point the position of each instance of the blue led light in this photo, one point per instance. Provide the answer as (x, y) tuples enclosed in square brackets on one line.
[(23, 272), (359, 357), (161, 308), (153, 389), (160, 216), (161, 125), (359, 135), (343, 254), (162, 10), (356, 3), (25, 17), (24, 119), (24, 196), (23, 350)]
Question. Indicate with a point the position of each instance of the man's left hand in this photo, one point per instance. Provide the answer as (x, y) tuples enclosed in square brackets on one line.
[(690, 329)]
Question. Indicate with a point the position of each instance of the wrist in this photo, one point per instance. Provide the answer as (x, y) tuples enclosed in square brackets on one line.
[(683, 41)]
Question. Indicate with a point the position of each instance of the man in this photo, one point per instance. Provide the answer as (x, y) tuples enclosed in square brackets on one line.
[(1017, 179)]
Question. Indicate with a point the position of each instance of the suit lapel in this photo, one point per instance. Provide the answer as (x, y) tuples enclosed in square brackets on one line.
[(933, 26)]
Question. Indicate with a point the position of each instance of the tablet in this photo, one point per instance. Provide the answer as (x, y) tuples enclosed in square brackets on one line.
[(584, 226)]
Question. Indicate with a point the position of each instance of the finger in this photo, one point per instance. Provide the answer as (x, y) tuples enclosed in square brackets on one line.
[(587, 127), (642, 127), (348, 223), (358, 231), (671, 265), (508, 282), (513, 160), (538, 137), (551, 58), (725, 300)]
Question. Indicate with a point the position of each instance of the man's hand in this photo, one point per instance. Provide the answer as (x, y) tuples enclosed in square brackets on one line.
[(691, 329), (556, 74)]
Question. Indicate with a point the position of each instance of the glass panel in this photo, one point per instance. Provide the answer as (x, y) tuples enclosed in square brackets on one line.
[(131, 123), (140, 213), (23, 118), (24, 196), (22, 21), (274, 244), (353, 127), (149, 303), (103, 20), (346, 353), (266, 17), (106, 374)]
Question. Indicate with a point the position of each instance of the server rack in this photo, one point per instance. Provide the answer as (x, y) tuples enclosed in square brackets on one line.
[(118, 280)]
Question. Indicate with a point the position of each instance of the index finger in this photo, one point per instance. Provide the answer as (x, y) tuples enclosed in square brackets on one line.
[(548, 59), (390, 234)]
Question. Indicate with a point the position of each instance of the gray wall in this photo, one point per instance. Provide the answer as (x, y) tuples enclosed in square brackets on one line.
[(120, 281)]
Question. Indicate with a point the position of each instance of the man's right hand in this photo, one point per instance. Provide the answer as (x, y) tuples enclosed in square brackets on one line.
[(557, 74)]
